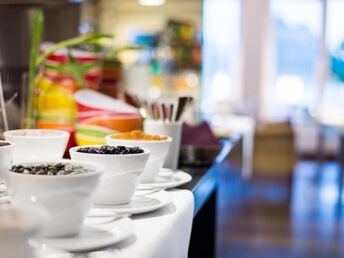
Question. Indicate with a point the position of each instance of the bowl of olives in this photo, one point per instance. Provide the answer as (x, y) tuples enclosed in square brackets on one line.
[(123, 167), (63, 188)]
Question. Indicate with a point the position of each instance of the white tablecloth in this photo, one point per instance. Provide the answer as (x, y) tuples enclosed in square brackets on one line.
[(164, 233)]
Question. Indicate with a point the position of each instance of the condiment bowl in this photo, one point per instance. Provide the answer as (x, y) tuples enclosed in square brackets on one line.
[(37, 144), (17, 225), (67, 198), (121, 174), (158, 150), (6, 157)]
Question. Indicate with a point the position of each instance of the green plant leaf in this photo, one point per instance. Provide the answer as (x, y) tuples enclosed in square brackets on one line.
[(116, 52), (76, 70), (37, 27)]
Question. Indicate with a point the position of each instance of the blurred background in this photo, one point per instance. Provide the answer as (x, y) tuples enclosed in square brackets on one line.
[(261, 60), (271, 70)]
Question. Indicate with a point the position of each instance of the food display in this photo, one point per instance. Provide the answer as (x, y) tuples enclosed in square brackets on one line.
[(123, 167), (112, 76), (138, 135), (56, 107), (59, 169), (73, 172), (115, 150), (60, 187), (157, 145), (100, 115)]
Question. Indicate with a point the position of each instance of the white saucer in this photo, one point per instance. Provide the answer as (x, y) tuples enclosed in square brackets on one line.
[(94, 236), (48, 252), (140, 203), (168, 178), (4, 199)]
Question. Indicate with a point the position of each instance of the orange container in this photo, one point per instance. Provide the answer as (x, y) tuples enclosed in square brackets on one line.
[(117, 123)]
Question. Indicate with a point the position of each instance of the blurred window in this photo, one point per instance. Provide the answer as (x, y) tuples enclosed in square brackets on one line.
[(295, 34), (332, 101), (221, 55)]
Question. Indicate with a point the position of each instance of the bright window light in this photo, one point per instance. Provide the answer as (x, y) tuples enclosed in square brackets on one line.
[(152, 2), (220, 53), (289, 89), (221, 86)]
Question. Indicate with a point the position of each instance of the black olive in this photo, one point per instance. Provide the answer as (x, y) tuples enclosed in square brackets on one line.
[(107, 149)]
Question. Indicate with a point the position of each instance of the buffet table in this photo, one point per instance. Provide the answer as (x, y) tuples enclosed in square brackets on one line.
[(205, 188), (172, 237), (163, 233), (184, 228)]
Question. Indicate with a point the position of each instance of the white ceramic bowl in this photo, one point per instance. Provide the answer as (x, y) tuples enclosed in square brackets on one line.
[(6, 158), (17, 225), (158, 150), (37, 144), (67, 198), (121, 174)]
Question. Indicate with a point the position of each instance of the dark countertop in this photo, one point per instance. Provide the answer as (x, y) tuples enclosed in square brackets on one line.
[(205, 179)]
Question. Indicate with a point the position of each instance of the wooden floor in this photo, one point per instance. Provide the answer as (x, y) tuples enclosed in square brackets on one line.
[(268, 218)]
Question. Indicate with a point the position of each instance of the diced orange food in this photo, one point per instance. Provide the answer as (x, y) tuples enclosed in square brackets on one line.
[(138, 135)]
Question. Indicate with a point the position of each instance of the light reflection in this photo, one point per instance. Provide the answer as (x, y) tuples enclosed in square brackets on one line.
[(151, 2), (314, 201), (33, 198), (329, 194), (289, 89)]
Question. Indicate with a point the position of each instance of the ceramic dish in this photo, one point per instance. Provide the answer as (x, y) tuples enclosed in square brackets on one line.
[(93, 237), (140, 203), (67, 198), (121, 175), (158, 149), (37, 144), (91, 101), (168, 178), (6, 158), (91, 134)]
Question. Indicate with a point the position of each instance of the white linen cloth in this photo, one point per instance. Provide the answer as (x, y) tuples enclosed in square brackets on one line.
[(164, 233)]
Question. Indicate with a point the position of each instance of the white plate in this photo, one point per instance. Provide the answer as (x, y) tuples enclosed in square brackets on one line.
[(168, 178), (47, 252), (94, 235), (140, 203), (4, 199)]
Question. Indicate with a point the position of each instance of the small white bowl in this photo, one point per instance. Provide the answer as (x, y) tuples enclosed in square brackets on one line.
[(158, 150), (67, 198), (121, 174), (6, 159), (17, 225), (37, 144)]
